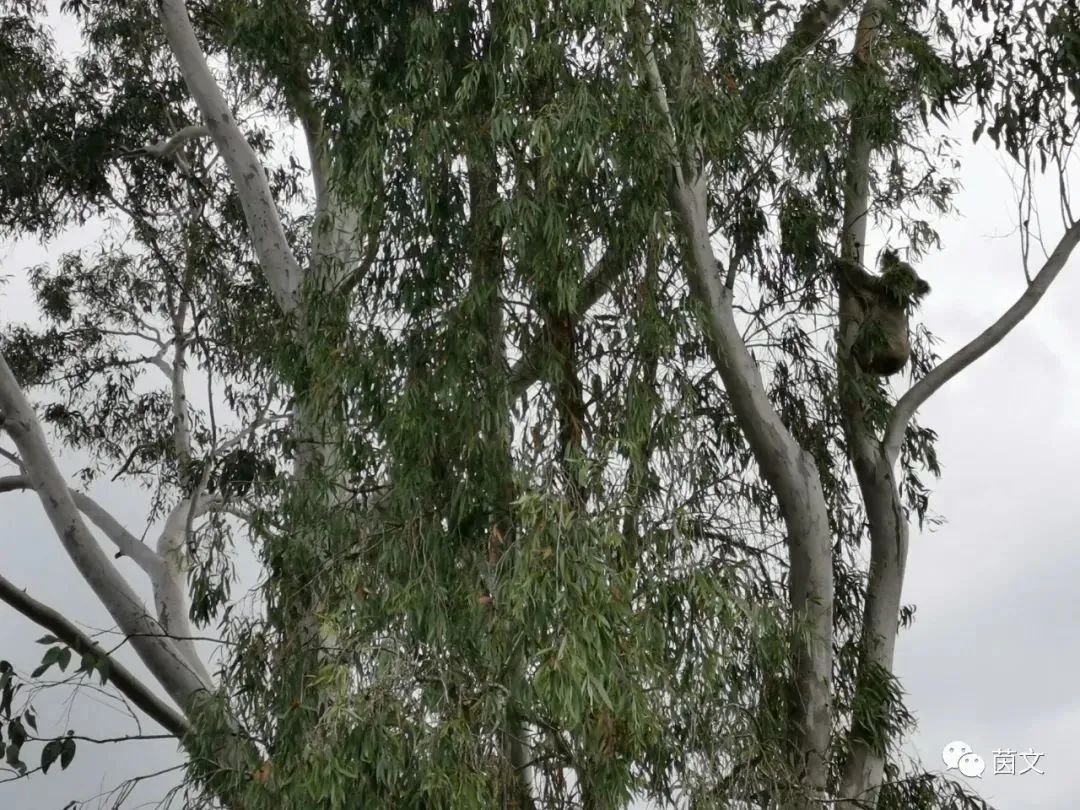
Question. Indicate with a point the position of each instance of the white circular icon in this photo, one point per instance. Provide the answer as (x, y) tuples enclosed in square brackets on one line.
[(971, 765), (952, 753)]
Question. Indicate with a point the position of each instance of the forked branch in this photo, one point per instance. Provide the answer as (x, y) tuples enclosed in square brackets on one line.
[(911, 401)]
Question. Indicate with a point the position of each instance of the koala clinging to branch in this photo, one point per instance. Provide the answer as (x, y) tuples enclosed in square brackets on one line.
[(878, 307)]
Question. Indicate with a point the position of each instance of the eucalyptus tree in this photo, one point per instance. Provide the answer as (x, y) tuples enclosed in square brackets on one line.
[(530, 380)]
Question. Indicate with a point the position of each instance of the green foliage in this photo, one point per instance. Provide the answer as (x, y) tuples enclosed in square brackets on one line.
[(511, 497)]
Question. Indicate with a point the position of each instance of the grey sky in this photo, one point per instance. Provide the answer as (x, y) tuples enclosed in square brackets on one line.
[(992, 657)]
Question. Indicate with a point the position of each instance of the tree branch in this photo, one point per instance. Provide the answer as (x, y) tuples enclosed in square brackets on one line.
[(863, 767), (125, 541), (169, 146), (121, 677), (128, 544), (526, 370), (790, 471), (911, 401), (170, 586), (811, 27), (160, 654), (268, 237)]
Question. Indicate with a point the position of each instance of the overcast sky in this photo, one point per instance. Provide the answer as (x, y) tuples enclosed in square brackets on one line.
[(993, 655)]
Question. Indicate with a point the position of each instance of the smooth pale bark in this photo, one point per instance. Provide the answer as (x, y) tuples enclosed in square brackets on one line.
[(786, 466), (160, 653), (335, 237), (275, 256), (889, 534), (874, 465), (888, 527), (177, 378), (170, 585), (910, 402), (128, 544), (169, 146), (172, 662), (793, 476), (314, 298), (167, 572), (790, 471), (874, 461)]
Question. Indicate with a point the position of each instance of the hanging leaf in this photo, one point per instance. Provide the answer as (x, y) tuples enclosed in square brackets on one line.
[(16, 732), (52, 655), (67, 751), (49, 754), (87, 662), (11, 756)]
